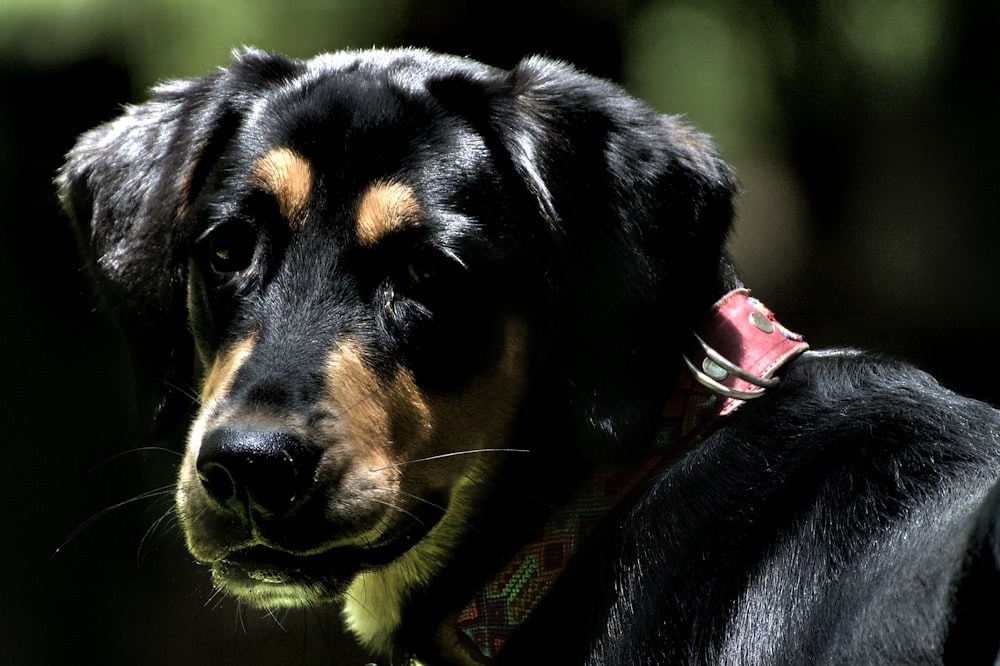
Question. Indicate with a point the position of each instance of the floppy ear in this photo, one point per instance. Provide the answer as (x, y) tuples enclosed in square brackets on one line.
[(128, 186), (638, 206)]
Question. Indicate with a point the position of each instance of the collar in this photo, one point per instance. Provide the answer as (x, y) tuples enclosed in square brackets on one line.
[(738, 347), (734, 355)]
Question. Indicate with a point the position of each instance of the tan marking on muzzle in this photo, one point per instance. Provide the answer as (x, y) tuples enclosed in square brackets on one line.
[(215, 386), (479, 417), (385, 208), (287, 176), (376, 415), (220, 375)]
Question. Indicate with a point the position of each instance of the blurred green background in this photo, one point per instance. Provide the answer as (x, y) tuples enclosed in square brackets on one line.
[(863, 131)]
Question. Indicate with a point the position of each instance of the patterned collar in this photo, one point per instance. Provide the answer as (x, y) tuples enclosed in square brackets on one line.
[(734, 355)]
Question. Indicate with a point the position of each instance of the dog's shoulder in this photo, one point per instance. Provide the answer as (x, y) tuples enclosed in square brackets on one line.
[(844, 503), (879, 403), (857, 440)]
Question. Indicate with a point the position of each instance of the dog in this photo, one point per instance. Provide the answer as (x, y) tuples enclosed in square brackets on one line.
[(474, 363)]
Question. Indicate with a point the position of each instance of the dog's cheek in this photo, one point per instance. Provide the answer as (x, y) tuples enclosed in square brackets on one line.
[(376, 417), (471, 423), (480, 416), (423, 442)]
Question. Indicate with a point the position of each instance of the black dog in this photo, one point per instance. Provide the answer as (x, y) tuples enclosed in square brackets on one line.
[(448, 321)]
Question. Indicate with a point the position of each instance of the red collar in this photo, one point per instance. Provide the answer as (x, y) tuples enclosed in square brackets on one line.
[(735, 353), (740, 346)]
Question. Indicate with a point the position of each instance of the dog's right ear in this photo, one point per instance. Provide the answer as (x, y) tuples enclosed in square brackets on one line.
[(128, 186)]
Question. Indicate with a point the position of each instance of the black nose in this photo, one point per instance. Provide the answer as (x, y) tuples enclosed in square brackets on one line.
[(252, 469)]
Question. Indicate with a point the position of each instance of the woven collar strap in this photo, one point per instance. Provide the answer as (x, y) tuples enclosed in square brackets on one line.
[(735, 353)]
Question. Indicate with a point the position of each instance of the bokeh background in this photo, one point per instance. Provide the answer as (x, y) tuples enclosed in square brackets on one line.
[(864, 133)]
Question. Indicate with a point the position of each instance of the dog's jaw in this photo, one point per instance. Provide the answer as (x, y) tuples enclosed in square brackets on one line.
[(372, 605)]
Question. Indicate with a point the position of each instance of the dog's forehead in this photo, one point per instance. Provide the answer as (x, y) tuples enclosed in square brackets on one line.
[(382, 109), (372, 140)]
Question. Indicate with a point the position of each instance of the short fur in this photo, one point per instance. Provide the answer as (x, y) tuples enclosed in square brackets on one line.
[(425, 296)]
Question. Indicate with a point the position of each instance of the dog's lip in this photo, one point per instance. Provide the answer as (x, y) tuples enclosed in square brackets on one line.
[(258, 572), (268, 578), (262, 562), (267, 565)]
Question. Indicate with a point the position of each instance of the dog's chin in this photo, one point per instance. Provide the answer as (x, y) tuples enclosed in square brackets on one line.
[(270, 594)]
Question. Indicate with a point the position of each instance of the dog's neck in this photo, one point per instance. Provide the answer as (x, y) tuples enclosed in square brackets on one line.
[(734, 356)]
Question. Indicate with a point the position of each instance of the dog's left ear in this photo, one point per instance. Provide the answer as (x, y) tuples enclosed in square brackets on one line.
[(637, 205), (127, 186)]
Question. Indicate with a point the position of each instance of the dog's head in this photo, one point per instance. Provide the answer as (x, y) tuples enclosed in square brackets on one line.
[(385, 264)]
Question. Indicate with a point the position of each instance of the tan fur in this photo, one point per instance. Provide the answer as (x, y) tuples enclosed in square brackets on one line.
[(384, 208), (215, 386), (377, 417), (287, 176), (479, 418)]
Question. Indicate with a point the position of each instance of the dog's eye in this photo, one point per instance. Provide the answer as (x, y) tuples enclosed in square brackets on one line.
[(428, 273), (231, 247), (425, 275), (419, 273)]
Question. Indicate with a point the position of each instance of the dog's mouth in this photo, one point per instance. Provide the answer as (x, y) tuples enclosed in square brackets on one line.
[(266, 576)]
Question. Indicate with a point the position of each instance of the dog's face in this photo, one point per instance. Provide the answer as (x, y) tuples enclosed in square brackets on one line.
[(392, 264), (353, 317)]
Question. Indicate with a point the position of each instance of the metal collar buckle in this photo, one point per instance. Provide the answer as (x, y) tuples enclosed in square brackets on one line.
[(738, 348), (716, 367)]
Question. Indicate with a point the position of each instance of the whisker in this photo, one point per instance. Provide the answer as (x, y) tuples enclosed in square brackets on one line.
[(448, 455), (152, 530), (139, 449), (186, 391), (240, 609), (272, 613), (400, 509), (473, 529), (215, 597), (156, 492), (412, 496)]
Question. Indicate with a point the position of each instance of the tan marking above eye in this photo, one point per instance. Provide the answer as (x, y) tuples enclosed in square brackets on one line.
[(287, 176), (383, 208)]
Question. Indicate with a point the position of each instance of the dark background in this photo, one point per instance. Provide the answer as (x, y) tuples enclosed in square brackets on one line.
[(864, 132)]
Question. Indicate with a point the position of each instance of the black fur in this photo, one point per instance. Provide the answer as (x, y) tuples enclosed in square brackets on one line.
[(845, 518)]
